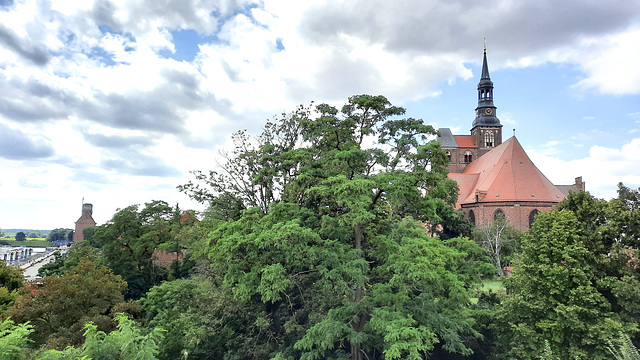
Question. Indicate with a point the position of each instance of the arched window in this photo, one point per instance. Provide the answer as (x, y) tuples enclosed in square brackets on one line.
[(468, 156), (472, 217), (532, 216), (489, 138), (448, 154), (499, 215)]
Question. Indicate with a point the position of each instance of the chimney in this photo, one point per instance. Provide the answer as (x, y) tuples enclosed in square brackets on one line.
[(579, 184)]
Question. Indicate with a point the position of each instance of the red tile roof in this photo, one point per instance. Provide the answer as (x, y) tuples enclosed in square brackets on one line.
[(465, 141), (505, 174)]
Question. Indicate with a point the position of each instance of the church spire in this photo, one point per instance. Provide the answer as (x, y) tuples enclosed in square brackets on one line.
[(485, 67), (486, 110)]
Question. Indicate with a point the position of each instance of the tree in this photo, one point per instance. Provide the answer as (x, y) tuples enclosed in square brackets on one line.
[(11, 280), (59, 234), (500, 240), (576, 283), (21, 236), (59, 308), (331, 252), (202, 320), (129, 240)]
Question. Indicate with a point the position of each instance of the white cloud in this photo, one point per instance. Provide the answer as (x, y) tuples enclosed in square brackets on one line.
[(602, 170), (92, 92)]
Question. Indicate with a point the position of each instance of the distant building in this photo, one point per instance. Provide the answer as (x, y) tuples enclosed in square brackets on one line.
[(496, 178), (85, 221)]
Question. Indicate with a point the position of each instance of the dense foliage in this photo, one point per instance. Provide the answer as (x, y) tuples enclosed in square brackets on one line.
[(331, 250), (59, 308), (332, 235), (129, 240), (576, 285)]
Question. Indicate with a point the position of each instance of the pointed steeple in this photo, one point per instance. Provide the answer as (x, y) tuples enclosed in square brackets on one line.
[(485, 67), (486, 110)]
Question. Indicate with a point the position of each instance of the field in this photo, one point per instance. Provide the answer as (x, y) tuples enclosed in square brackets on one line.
[(10, 239)]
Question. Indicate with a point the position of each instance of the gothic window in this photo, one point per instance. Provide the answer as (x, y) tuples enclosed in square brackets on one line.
[(468, 156), (499, 214), (472, 217), (532, 216), (489, 139)]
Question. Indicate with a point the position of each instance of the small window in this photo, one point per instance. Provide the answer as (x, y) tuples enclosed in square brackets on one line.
[(532, 216), (498, 215), (448, 154), (489, 139), (472, 217), (468, 157)]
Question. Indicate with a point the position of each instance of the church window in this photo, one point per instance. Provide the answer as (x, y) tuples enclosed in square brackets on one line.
[(532, 216), (499, 214), (489, 139), (468, 157), (472, 217)]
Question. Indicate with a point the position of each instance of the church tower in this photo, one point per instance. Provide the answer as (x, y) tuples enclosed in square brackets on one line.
[(486, 127)]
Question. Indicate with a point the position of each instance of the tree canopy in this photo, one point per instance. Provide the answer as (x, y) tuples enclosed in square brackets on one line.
[(128, 241), (59, 308), (576, 284), (326, 239)]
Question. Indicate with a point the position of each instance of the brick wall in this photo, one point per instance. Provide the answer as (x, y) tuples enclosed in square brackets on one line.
[(516, 213)]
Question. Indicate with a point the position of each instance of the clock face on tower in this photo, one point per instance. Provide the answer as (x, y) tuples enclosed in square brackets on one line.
[(488, 111)]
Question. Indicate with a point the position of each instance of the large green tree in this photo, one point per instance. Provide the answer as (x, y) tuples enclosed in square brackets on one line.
[(59, 308), (128, 241), (576, 284), (333, 253)]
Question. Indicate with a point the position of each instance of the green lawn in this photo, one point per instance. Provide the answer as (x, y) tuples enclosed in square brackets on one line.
[(491, 285), (29, 242)]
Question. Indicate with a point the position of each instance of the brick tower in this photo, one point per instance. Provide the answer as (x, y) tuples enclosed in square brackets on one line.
[(85, 221)]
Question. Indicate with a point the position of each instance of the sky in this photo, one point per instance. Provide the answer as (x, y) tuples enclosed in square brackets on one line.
[(114, 102)]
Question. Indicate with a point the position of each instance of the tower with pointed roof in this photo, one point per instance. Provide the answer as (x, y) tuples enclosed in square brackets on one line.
[(486, 127), (496, 178)]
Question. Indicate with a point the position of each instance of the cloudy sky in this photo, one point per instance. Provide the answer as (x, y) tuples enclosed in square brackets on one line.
[(115, 101)]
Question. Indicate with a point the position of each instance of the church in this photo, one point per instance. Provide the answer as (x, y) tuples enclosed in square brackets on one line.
[(497, 178)]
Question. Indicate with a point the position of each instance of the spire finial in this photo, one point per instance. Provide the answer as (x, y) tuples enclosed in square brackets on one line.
[(485, 44)]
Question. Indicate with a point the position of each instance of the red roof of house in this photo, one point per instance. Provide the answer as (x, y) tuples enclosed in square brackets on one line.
[(505, 174), (465, 141)]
